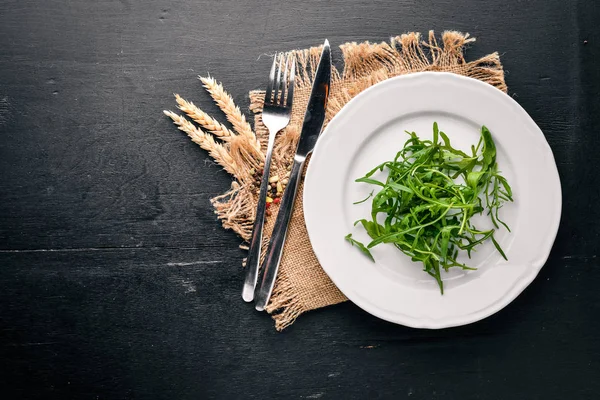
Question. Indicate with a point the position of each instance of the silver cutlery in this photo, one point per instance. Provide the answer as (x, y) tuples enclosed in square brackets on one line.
[(276, 114), (311, 129)]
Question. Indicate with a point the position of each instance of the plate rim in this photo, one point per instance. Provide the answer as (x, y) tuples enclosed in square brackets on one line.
[(535, 267)]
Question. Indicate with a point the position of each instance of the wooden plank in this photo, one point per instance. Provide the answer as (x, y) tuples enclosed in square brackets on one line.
[(169, 323)]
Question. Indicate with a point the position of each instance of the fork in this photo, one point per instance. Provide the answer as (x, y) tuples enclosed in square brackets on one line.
[(276, 114)]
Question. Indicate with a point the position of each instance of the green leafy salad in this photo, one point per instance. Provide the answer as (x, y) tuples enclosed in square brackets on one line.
[(426, 204)]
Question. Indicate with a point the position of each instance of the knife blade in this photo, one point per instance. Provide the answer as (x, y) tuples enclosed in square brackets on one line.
[(314, 118)]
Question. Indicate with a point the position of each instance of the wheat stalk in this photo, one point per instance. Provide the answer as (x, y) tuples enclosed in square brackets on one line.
[(203, 119), (227, 105), (217, 151)]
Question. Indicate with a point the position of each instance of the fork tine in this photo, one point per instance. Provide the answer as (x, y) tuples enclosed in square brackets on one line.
[(285, 81), (278, 82), (290, 97), (271, 81)]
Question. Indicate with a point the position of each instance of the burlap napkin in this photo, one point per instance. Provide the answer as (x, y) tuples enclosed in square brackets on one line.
[(302, 285)]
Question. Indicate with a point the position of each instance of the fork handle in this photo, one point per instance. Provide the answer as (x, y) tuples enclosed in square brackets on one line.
[(253, 259), (273, 257)]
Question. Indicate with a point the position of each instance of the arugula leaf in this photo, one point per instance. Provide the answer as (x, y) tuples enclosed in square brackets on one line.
[(365, 199), (360, 246), (369, 180), (399, 187)]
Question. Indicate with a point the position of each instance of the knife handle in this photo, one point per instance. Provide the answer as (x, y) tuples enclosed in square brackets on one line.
[(273, 256)]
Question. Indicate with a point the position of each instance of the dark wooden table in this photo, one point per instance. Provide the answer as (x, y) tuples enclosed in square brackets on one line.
[(118, 282)]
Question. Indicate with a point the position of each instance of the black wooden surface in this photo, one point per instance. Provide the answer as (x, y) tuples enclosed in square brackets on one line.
[(117, 281)]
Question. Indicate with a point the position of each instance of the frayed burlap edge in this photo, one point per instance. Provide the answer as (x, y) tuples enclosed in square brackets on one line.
[(297, 289)]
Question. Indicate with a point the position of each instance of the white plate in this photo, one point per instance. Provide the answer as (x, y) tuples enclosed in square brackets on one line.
[(370, 130)]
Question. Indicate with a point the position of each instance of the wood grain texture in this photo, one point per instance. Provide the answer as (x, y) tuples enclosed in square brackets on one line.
[(118, 282)]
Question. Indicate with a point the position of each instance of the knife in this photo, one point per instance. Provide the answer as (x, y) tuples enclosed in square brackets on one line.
[(311, 129)]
